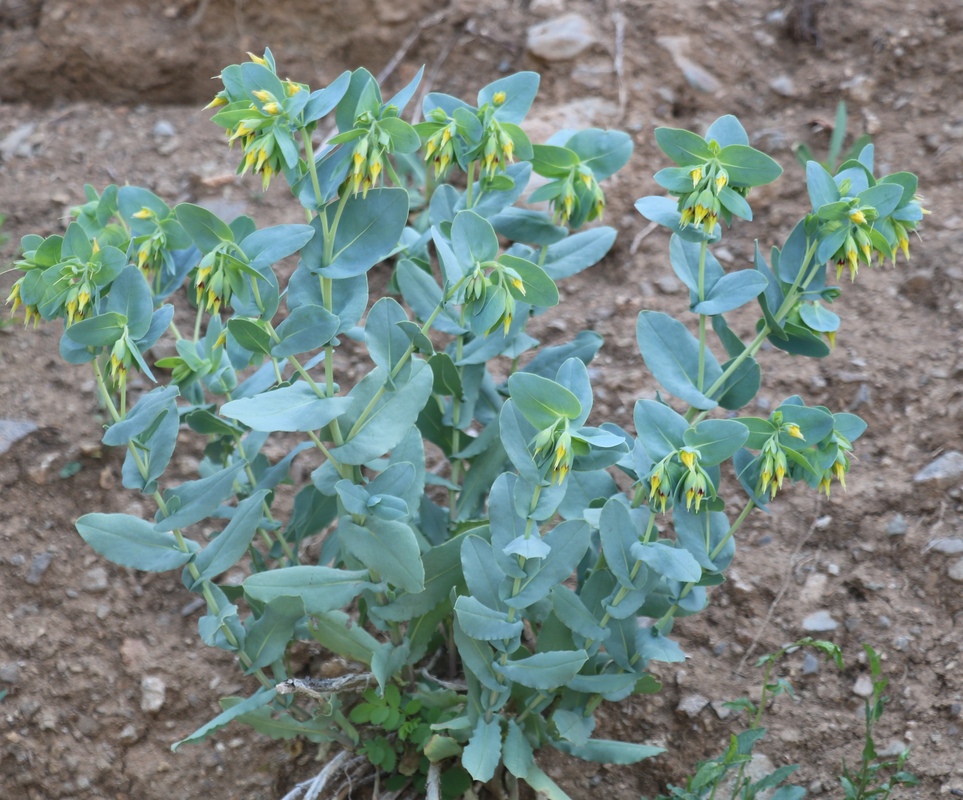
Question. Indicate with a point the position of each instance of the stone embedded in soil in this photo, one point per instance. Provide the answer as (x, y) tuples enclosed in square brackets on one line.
[(691, 705), (153, 694), (814, 588), (95, 580), (10, 673), (863, 687), (696, 76), (722, 710), (562, 38), (955, 571), (948, 545), (38, 567), (12, 431), (810, 664), (164, 128), (943, 472), (819, 622), (897, 526), (783, 85)]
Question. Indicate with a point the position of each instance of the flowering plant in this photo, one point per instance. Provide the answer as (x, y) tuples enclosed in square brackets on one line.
[(491, 604)]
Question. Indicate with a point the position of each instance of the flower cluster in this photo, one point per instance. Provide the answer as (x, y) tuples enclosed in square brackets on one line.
[(491, 296), (498, 150), (367, 163), (554, 449), (579, 191), (700, 207), (440, 145), (680, 472), (773, 463), (214, 280), (259, 120)]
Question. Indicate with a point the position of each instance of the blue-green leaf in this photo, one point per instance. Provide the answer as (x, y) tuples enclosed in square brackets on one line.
[(607, 751), (732, 291), (672, 355), (321, 588), (672, 562), (716, 439), (204, 227), (256, 701), (542, 401), (195, 500), (483, 752), (481, 622), (387, 547), (368, 231), (268, 637), (661, 430), (544, 671), (291, 408), (231, 543), (307, 327), (133, 542), (578, 252)]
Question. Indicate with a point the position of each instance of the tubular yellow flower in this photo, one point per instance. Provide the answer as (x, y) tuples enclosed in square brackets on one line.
[(257, 59), (858, 217), (272, 109), (696, 176), (722, 179), (793, 430), (144, 213), (517, 283), (498, 98), (688, 457), (218, 101), (263, 95)]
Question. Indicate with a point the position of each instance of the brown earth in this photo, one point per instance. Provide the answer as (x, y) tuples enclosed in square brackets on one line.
[(84, 87)]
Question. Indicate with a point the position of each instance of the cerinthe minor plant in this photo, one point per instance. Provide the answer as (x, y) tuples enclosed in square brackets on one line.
[(492, 604)]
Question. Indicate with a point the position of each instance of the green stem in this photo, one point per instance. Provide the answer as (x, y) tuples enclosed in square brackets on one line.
[(703, 250), (471, 184), (456, 466), (312, 171), (197, 322)]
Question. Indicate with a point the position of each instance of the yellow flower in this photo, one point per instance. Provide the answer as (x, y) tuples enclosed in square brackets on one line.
[(688, 457), (793, 430), (272, 108), (858, 217), (517, 283), (696, 176), (498, 98), (144, 213), (263, 95), (257, 59)]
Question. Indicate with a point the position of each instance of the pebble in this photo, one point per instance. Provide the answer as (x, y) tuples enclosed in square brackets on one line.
[(783, 85), (95, 580), (38, 567), (562, 38), (17, 142), (948, 545), (897, 526), (129, 734), (164, 128), (945, 470), (697, 77), (955, 571), (884, 621), (10, 673), (153, 693), (819, 622), (691, 705), (810, 665), (669, 284), (814, 588), (12, 431), (722, 710), (863, 687)]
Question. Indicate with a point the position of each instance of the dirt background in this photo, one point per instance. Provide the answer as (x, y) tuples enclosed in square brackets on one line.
[(101, 91)]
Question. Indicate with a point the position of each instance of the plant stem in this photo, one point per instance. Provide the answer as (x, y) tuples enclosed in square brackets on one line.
[(703, 250), (471, 184)]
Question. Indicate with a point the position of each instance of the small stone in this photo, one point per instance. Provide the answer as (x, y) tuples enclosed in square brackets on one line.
[(783, 85), (948, 545), (12, 431), (884, 621), (722, 710), (955, 571), (38, 567), (944, 471), (669, 284), (691, 705), (863, 687), (153, 694), (163, 128), (897, 526), (819, 622), (134, 655), (129, 734), (814, 588), (893, 749), (860, 88), (902, 643), (17, 142), (95, 580), (955, 710), (810, 665), (791, 735), (832, 569), (697, 77), (562, 38), (10, 673)]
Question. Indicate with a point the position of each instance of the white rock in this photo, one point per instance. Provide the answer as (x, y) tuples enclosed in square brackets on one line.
[(692, 704), (783, 85), (948, 545), (814, 588), (863, 687), (956, 571), (95, 580), (153, 694), (944, 471), (562, 38), (819, 622)]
